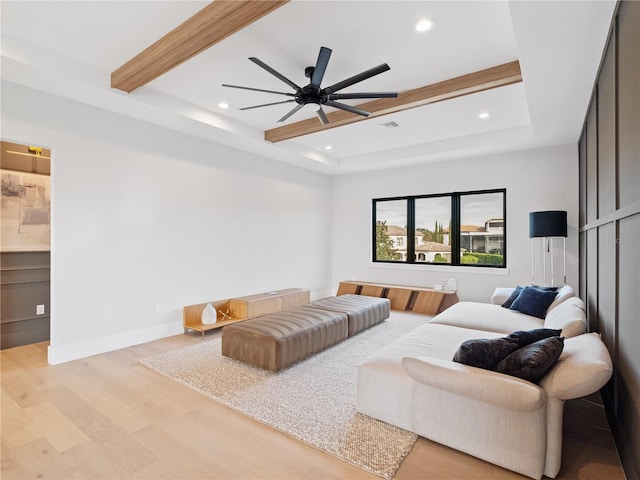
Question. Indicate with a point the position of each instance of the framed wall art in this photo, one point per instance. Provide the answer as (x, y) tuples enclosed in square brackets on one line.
[(25, 212)]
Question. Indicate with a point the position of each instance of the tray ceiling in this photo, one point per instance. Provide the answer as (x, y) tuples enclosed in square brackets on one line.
[(71, 48)]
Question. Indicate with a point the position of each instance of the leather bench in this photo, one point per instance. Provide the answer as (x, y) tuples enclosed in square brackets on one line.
[(279, 339), (362, 311)]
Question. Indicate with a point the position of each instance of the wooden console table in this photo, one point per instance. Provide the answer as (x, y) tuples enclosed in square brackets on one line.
[(404, 298), (243, 308)]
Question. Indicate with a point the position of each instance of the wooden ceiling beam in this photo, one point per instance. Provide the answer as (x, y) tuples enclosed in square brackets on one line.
[(209, 26), (475, 82)]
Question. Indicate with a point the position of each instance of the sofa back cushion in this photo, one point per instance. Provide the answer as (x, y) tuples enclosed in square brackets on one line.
[(562, 294), (569, 316)]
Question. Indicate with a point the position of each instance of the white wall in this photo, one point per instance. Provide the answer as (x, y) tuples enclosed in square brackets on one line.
[(143, 215), (541, 179)]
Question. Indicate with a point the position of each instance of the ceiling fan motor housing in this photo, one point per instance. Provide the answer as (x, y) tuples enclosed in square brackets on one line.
[(310, 94)]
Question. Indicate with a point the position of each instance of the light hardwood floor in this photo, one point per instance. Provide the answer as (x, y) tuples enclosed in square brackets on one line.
[(108, 417)]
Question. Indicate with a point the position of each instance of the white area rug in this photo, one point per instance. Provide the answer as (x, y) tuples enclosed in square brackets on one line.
[(314, 400)]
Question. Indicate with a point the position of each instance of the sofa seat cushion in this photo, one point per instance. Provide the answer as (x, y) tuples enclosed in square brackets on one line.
[(431, 340), (486, 317), (385, 389)]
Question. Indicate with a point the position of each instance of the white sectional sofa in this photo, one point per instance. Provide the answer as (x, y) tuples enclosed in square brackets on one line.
[(414, 384)]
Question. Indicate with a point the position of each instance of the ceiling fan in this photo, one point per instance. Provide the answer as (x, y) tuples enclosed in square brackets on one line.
[(313, 93)]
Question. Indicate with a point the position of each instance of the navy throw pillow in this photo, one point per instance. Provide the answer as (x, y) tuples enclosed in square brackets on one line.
[(534, 302), (533, 361), (526, 337), (509, 301), (516, 292), (485, 352)]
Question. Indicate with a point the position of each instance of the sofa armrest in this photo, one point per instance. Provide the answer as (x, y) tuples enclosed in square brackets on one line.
[(486, 386), (501, 294), (583, 368)]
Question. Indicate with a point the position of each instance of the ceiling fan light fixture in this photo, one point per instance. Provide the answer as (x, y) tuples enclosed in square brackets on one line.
[(424, 25)]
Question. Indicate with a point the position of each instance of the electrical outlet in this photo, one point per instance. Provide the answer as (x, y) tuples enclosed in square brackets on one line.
[(39, 309), (158, 307)]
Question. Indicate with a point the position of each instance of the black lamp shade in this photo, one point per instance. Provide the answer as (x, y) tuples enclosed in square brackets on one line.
[(552, 223)]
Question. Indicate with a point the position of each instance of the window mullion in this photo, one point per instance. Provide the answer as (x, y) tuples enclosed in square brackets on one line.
[(411, 230), (374, 245), (454, 233)]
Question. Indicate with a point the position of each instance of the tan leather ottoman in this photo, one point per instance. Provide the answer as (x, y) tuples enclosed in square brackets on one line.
[(362, 311), (277, 340)]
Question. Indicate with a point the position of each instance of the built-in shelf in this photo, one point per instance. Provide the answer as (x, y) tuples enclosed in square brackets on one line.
[(243, 308), (405, 298)]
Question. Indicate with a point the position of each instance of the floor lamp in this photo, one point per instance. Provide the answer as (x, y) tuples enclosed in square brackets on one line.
[(547, 225)]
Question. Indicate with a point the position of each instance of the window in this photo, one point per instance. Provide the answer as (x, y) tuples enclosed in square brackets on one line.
[(433, 222), (465, 228), (389, 220)]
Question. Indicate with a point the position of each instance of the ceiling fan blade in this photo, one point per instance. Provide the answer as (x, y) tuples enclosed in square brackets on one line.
[(321, 67), (258, 90), (276, 74), (348, 96), (321, 115), (295, 109), (357, 78), (348, 108), (267, 104)]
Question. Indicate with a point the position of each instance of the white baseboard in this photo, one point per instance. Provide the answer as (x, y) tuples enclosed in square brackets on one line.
[(75, 351)]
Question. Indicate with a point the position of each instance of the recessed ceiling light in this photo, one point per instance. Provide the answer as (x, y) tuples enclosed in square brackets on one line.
[(328, 147), (223, 105), (424, 25), (389, 125), (484, 115)]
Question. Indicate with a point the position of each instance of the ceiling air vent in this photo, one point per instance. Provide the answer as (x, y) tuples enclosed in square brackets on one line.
[(388, 125)]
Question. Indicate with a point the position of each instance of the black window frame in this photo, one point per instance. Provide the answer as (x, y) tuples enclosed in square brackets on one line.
[(454, 232)]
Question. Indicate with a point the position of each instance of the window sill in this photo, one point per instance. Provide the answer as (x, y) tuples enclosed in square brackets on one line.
[(442, 268)]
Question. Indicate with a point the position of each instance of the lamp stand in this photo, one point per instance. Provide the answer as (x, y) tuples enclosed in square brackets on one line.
[(533, 264), (564, 261), (550, 251), (547, 251), (544, 263)]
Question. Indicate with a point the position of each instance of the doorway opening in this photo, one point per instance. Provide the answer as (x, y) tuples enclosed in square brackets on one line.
[(25, 244)]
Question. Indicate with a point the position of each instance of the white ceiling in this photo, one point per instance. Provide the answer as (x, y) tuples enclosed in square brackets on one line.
[(71, 48)]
